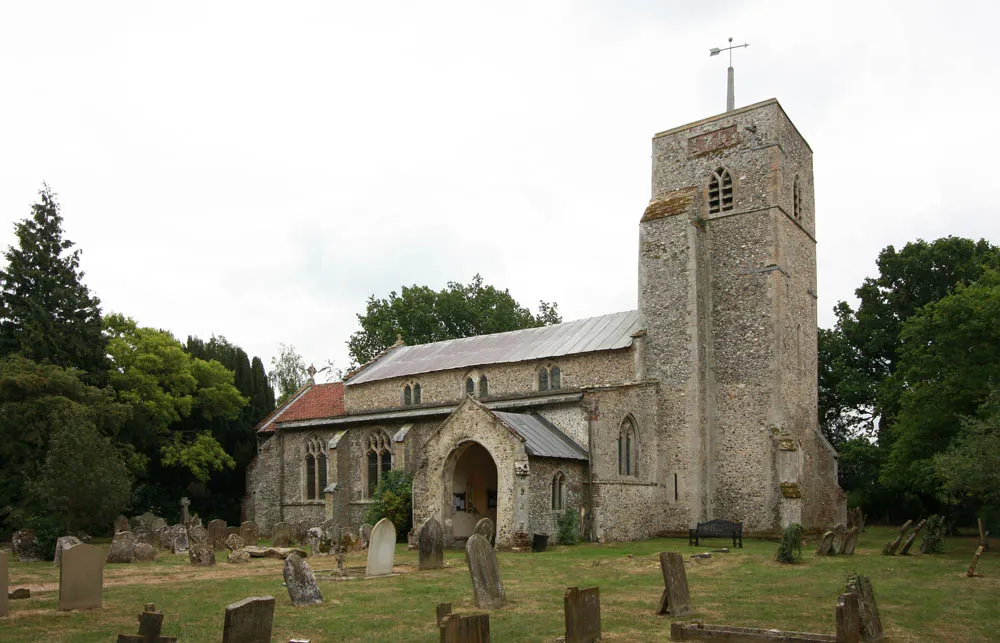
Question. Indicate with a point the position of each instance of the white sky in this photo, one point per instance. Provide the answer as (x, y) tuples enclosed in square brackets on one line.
[(256, 170)]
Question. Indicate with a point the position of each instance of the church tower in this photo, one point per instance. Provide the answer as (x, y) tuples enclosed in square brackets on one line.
[(727, 297)]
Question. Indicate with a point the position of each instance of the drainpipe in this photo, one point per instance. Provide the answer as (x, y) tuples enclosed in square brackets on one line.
[(281, 478), (590, 408)]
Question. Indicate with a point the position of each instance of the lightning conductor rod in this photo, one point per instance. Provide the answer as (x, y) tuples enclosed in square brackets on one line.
[(730, 94)]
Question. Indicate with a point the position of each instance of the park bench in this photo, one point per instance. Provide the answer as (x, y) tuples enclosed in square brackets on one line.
[(717, 528)]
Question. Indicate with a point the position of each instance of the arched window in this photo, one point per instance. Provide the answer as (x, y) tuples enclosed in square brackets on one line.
[(470, 386), (484, 387), (310, 477), (416, 393), (559, 491), (555, 378), (628, 448), (796, 200), (378, 459), (476, 384), (720, 191), (314, 463), (543, 379), (407, 395)]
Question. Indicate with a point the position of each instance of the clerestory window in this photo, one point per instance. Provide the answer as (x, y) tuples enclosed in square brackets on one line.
[(411, 394), (477, 385), (549, 378), (720, 191)]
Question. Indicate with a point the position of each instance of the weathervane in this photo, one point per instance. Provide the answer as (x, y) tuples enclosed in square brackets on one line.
[(715, 51)]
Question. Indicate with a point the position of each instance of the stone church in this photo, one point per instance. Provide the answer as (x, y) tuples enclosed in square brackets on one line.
[(700, 404)]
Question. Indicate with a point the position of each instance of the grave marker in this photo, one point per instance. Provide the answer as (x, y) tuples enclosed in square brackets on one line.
[(871, 621), (487, 586), (217, 534), (301, 582), (366, 535), (25, 546), (144, 553), (430, 545), (122, 549), (381, 549), (185, 516), (81, 578), (249, 620), (891, 547), (905, 549), (848, 618), (583, 614), (826, 544), (179, 539), (281, 536), (150, 625), (851, 541), (675, 599), (121, 524), (63, 543), (473, 628), (250, 533), (839, 539), (487, 530)]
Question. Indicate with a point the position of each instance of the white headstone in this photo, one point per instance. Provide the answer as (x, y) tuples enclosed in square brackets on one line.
[(381, 549)]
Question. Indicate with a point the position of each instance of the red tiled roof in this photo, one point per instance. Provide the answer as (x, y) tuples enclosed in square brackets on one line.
[(308, 403)]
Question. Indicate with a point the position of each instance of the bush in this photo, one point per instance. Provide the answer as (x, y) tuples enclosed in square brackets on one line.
[(393, 499), (790, 548), (933, 542), (569, 527)]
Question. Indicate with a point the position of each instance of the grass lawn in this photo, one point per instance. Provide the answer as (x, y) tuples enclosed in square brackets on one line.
[(921, 598)]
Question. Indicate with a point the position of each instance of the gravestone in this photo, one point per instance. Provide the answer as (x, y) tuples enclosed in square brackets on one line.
[(145, 553), (157, 524), (164, 537), (455, 628), (675, 599), (366, 535), (301, 582), (121, 524), (975, 561), (217, 534), (238, 556), (143, 535), (81, 578), (839, 538), (300, 530), (201, 554), (281, 535), (25, 546), (199, 535), (122, 549), (62, 543), (583, 614), (430, 545), (848, 618), (313, 538), (179, 539), (381, 549), (234, 542), (891, 547), (150, 626), (185, 516), (905, 549), (487, 530), (3, 585), (825, 544), (250, 533), (487, 586), (871, 621), (249, 620), (851, 541)]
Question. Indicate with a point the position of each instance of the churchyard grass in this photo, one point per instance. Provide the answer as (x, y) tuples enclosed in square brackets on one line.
[(922, 598)]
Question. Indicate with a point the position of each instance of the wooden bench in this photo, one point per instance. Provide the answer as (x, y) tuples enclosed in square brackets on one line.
[(717, 528)]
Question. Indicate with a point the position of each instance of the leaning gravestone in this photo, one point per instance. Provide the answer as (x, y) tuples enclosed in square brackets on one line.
[(201, 554), (839, 538), (366, 535), (81, 577), (250, 533), (487, 530), (381, 549), (891, 547), (122, 549), (199, 535), (871, 621), (430, 545), (3, 584), (583, 614), (848, 617), (905, 549), (249, 620), (826, 544), (301, 582), (300, 531), (217, 534), (25, 546), (144, 553), (179, 539), (63, 543), (487, 586), (282, 535), (851, 541), (676, 598), (313, 538)]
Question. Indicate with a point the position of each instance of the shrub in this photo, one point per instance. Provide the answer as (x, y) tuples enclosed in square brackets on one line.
[(933, 542), (393, 499), (569, 527), (790, 548)]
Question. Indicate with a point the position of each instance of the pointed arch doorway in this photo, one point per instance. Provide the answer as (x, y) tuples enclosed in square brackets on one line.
[(470, 488)]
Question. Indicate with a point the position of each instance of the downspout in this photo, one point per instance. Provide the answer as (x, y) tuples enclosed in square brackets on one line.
[(281, 478), (590, 408)]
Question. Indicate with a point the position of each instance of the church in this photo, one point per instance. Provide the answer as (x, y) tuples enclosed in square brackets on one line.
[(699, 404)]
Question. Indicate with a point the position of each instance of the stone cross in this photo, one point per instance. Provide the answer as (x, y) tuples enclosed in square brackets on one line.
[(474, 628), (583, 614), (430, 545), (675, 599), (185, 516), (3, 584), (381, 549), (487, 586), (81, 578), (249, 620)]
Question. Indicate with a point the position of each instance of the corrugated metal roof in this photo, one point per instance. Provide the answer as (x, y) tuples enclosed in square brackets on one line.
[(542, 438), (606, 332)]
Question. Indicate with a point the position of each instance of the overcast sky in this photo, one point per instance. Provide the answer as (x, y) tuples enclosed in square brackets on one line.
[(257, 170)]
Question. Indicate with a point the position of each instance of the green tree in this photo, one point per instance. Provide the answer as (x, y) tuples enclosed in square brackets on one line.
[(47, 314), (970, 467), (420, 315), (288, 372), (393, 499)]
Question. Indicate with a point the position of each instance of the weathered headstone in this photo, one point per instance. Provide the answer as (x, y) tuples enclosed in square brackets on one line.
[(201, 554), (871, 621), (430, 545), (144, 553), (4, 610), (583, 614), (455, 628), (164, 537), (157, 524), (975, 561), (143, 535), (179, 539), (676, 598), (63, 543), (282, 535), (121, 524), (891, 547), (25, 546), (199, 535), (81, 578), (122, 549), (851, 541), (839, 539), (381, 549), (487, 586), (301, 582), (366, 535), (217, 534), (250, 533), (300, 531), (150, 626), (848, 617), (487, 530), (313, 538), (185, 515), (249, 620), (234, 542), (825, 544), (238, 556), (905, 549)]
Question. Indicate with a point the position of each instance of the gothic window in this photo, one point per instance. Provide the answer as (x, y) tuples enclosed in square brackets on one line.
[(378, 460), (720, 191), (628, 449), (555, 378), (549, 378), (411, 394), (315, 469), (559, 491), (796, 200), (310, 477), (470, 386), (416, 393), (484, 387), (543, 379), (477, 385)]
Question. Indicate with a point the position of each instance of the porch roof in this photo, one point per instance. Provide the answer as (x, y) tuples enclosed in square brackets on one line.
[(542, 439)]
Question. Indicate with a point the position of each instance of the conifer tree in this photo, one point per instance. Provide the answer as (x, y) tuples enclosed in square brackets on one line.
[(47, 314)]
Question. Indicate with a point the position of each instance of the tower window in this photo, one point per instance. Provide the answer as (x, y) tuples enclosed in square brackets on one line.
[(796, 200), (720, 191)]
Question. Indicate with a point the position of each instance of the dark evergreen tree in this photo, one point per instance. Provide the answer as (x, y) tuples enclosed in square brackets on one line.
[(47, 314)]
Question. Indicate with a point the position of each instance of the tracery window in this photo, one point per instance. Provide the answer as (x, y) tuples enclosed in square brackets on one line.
[(484, 387), (549, 378), (720, 191), (378, 460), (411, 394), (315, 469), (628, 448), (796, 200), (559, 491)]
